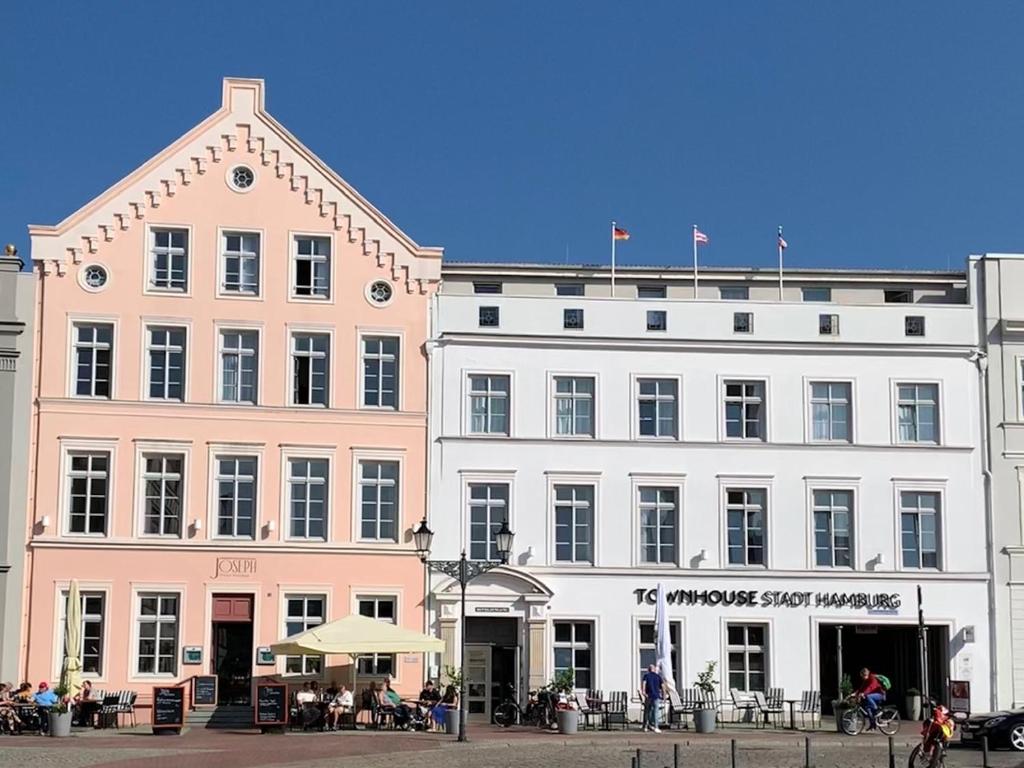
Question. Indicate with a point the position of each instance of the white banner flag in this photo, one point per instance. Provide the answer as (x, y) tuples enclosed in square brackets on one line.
[(663, 639)]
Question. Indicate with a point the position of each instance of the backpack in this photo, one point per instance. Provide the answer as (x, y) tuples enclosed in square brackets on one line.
[(884, 682)]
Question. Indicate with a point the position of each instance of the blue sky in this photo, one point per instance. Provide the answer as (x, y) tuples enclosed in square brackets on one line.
[(879, 134)]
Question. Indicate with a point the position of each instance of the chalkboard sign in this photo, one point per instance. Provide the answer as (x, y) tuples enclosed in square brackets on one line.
[(271, 704), (168, 707), (204, 691)]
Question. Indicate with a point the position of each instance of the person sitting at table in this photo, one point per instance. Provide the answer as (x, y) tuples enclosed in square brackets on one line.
[(340, 704), (306, 702), (9, 720), (449, 701), (45, 699), (314, 686), (429, 697), (24, 694), (85, 704)]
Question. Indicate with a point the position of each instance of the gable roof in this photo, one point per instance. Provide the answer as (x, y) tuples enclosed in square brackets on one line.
[(241, 128)]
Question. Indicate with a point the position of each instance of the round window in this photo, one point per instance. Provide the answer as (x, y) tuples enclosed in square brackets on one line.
[(242, 177), (379, 292), (94, 276)]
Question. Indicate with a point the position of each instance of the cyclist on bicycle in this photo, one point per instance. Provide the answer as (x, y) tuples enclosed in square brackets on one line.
[(872, 693)]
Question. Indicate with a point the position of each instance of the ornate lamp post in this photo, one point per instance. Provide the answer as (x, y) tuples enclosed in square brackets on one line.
[(465, 571)]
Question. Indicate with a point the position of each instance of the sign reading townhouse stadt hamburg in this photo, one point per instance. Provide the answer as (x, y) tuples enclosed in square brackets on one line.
[(753, 598)]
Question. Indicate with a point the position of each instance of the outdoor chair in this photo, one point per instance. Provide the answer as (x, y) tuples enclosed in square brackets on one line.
[(109, 710), (775, 697), (767, 711), (740, 705), (589, 709), (615, 710), (680, 704), (810, 704)]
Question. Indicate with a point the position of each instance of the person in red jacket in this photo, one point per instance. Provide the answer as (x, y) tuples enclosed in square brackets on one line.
[(871, 692)]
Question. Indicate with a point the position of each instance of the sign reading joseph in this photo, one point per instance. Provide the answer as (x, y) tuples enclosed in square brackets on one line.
[(753, 598)]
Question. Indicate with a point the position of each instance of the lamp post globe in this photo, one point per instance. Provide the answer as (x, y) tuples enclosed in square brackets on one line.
[(503, 542), (422, 538)]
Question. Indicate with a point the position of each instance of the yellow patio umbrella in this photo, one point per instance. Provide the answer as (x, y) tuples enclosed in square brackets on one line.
[(354, 635), (71, 670)]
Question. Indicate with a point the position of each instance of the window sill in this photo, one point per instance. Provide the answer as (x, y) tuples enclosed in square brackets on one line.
[(176, 292), (241, 296)]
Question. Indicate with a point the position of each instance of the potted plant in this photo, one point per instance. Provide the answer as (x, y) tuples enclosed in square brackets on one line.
[(840, 705), (913, 704), (60, 715), (453, 717), (704, 716), (561, 686)]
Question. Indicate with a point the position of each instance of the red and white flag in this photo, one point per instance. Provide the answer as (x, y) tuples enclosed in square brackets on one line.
[(782, 242), (699, 237)]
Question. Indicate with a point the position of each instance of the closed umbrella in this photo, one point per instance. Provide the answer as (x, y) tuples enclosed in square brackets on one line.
[(71, 670)]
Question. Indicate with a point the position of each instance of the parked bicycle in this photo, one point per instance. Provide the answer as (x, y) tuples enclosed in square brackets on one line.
[(539, 709), (855, 720)]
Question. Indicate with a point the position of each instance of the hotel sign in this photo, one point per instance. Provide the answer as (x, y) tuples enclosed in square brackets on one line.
[(754, 598), (235, 567)]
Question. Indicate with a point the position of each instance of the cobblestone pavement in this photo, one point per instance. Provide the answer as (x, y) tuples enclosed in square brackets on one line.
[(490, 748)]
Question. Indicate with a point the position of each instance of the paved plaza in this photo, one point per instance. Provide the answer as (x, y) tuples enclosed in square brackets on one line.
[(490, 748)]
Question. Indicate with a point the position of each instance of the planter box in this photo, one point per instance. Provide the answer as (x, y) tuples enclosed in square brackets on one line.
[(568, 720), (453, 721), (60, 724), (913, 708), (704, 720)]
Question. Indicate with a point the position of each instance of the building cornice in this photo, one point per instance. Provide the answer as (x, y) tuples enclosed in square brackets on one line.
[(220, 547), (760, 575)]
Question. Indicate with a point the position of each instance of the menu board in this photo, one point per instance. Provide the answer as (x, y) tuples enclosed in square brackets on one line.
[(271, 704), (168, 707), (960, 696), (204, 691)]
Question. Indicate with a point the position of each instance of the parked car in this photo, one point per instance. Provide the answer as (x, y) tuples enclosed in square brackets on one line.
[(1004, 729)]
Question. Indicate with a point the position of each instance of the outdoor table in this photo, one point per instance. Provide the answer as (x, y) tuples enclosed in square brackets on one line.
[(792, 716)]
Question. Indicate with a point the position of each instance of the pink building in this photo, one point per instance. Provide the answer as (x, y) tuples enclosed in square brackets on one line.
[(229, 427)]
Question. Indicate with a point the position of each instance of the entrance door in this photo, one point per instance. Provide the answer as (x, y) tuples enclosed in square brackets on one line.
[(232, 648), (478, 681)]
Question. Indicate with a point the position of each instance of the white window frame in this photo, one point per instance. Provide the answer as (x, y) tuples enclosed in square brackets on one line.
[(287, 458), (149, 260), (728, 482), (293, 258), (222, 234), (138, 593), (467, 396), (497, 477), (576, 505), (359, 456), (305, 596), (724, 401), (722, 289), (70, 453), (679, 663), (219, 330), (73, 322), (940, 411), (805, 288), (592, 479), (634, 406), (60, 609), (145, 448), (327, 356), (937, 487), (572, 644), (363, 596), (144, 494), (675, 481), (852, 528), (851, 484), (658, 506), (147, 358), (362, 335), (809, 401), (554, 397), (238, 451), (1019, 373), (746, 649)]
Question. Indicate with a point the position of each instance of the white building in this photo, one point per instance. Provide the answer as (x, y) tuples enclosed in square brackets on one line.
[(791, 470)]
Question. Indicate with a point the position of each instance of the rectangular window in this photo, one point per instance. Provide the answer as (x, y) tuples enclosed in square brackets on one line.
[(816, 294), (746, 530), (657, 320), (828, 325), (574, 406), (913, 325), (919, 524), (569, 289), (488, 404), (489, 288), (572, 319), (378, 493), (830, 411), (312, 267), (157, 627), (833, 528), (91, 630), (488, 509), (899, 297), (169, 260), (236, 496), (240, 256), (649, 649), (380, 372), (574, 649), (94, 352), (303, 613), (918, 413), (744, 410), (574, 523), (89, 492), (307, 498), (650, 292), (381, 609), (310, 366), (489, 317), (166, 348), (734, 293), (742, 322), (659, 519), (657, 401), (747, 651), (238, 366), (163, 479)]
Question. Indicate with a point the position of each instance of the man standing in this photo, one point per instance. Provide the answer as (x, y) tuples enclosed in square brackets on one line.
[(651, 687)]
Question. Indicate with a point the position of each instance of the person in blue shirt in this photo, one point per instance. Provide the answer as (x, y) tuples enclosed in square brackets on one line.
[(651, 687), (44, 699)]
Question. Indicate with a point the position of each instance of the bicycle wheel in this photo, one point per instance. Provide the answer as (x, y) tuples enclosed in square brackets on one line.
[(852, 721), (506, 714), (888, 721)]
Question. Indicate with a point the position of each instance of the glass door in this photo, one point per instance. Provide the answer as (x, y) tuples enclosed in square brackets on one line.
[(478, 682)]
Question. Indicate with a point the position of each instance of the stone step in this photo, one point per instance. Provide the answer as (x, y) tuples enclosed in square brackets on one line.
[(221, 717)]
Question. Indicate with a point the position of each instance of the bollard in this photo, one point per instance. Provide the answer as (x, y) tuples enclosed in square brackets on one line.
[(675, 755), (733, 750), (632, 762), (638, 757), (808, 762), (984, 752), (892, 752)]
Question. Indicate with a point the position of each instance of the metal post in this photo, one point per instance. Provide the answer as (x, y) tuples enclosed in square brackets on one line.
[(733, 752), (632, 762), (921, 650), (675, 755), (926, 689), (463, 709), (808, 763), (839, 661), (984, 752), (892, 752), (637, 764)]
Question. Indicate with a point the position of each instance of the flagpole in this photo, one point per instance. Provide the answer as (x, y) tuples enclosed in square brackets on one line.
[(779, 244), (695, 261), (613, 259)]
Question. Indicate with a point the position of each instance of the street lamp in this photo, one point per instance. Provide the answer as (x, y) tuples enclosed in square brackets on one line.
[(465, 571)]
